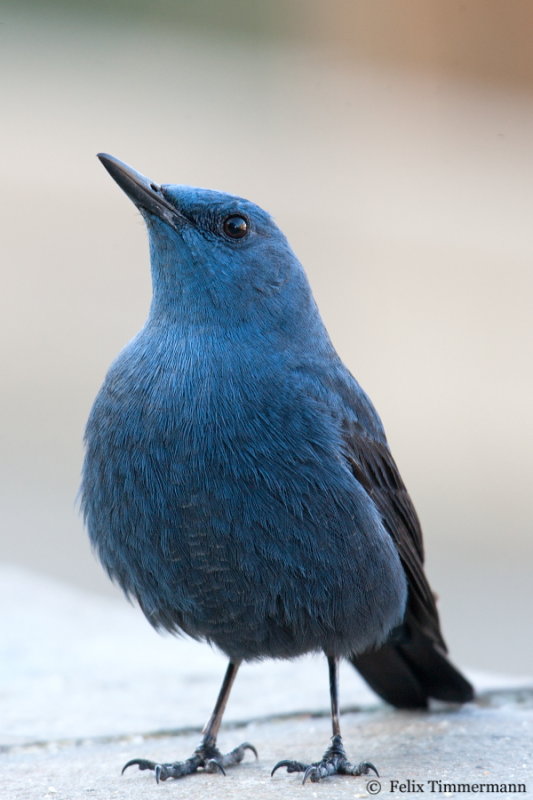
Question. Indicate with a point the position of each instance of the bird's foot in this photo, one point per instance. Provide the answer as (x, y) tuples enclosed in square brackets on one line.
[(334, 762), (207, 757)]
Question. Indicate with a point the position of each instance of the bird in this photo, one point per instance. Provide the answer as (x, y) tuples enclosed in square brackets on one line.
[(237, 481)]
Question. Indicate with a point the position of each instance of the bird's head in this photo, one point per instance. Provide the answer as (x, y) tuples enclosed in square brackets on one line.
[(216, 258)]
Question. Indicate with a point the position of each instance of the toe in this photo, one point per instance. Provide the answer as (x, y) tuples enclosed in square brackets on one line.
[(213, 765), (364, 768), (142, 763), (292, 766), (312, 773), (247, 746), (237, 755)]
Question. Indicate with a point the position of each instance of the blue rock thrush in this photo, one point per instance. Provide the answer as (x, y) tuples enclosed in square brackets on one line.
[(237, 480)]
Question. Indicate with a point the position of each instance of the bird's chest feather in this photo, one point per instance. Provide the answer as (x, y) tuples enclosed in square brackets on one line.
[(195, 432), (205, 477)]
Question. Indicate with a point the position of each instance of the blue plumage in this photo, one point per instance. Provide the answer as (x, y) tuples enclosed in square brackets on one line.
[(215, 487), (237, 480)]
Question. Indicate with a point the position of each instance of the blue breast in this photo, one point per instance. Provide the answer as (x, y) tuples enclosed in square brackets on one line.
[(214, 482)]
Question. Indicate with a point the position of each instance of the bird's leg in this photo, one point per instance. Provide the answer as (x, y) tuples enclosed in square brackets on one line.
[(334, 761), (207, 756)]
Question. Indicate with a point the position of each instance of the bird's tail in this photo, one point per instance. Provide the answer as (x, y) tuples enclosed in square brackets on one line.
[(410, 669)]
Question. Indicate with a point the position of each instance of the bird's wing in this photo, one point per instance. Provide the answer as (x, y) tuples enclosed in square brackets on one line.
[(374, 468), (412, 666)]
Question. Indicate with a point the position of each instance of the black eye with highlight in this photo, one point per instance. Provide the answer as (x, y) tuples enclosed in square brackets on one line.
[(235, 226)]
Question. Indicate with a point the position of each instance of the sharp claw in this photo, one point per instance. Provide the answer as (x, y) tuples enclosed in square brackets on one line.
[(248, 746), (279, 765), (292, 766), (157, 773), (142, 763), (213, 765), (309, 772), (363, 768)]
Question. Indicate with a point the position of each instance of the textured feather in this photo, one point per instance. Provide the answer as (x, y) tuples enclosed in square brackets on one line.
[(413, 666)]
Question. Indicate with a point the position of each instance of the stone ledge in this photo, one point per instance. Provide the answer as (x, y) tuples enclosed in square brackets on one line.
[(87, 685)]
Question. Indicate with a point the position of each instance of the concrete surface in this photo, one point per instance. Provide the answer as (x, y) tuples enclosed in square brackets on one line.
[(85, 684)]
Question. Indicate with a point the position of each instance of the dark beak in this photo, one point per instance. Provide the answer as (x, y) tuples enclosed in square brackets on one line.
[(146, 194)]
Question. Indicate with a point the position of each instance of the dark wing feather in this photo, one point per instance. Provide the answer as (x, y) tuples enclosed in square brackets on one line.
[(373, 466), (413, 665)]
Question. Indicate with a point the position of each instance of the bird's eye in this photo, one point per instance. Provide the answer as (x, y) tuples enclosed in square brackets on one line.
[(235, 226)]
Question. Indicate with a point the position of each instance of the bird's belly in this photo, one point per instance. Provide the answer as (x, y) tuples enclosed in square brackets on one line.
[(239, 566), (245, 528)]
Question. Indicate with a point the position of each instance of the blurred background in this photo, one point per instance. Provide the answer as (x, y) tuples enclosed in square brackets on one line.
[(393, 142)]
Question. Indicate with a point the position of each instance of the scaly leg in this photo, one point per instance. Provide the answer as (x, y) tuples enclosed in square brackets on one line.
[(207, 756), (334, 761)]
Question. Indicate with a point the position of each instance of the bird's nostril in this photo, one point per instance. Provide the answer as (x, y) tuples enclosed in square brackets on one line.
[(155, 187)]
